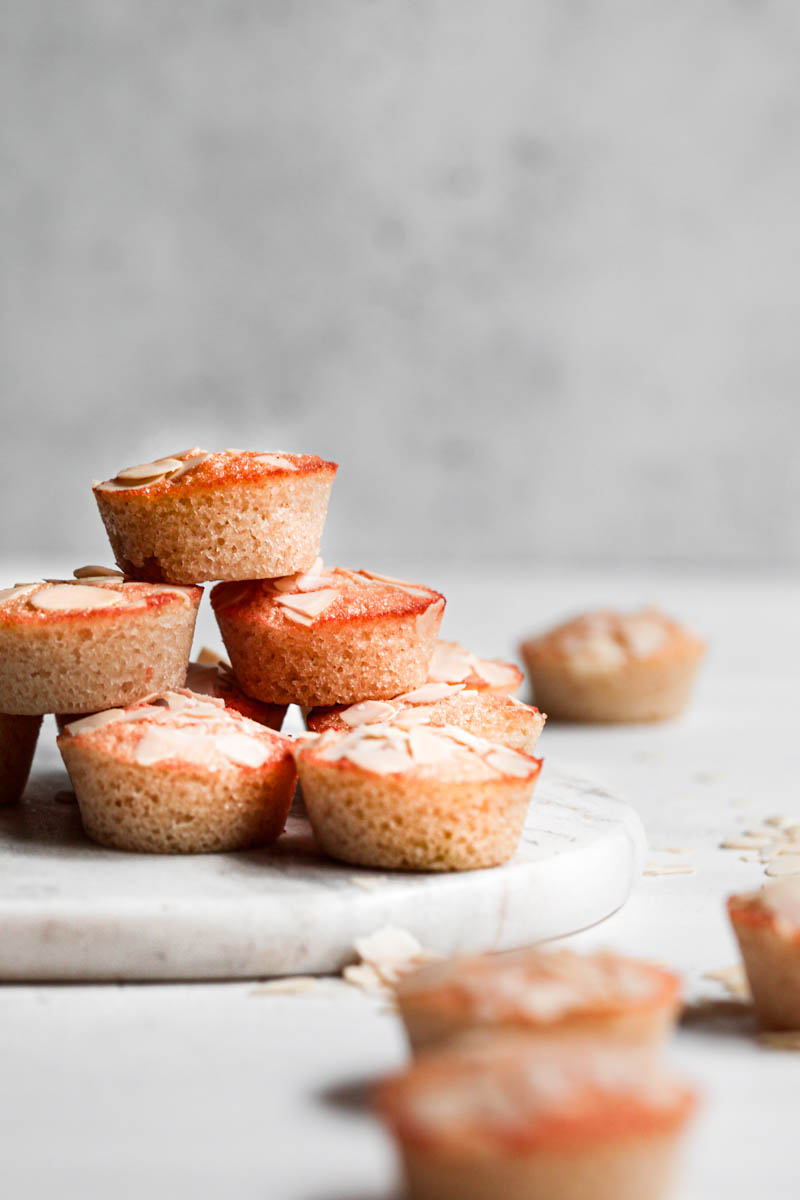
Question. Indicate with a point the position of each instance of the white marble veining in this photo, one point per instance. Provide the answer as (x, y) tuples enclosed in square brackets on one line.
[(71, 910)]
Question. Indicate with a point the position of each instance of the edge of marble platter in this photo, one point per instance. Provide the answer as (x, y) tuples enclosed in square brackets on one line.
[(73, 911)]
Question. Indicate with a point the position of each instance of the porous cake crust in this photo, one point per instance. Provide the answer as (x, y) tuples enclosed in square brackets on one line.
[(425, 799), (550, 994), (507, 1116), (178, 774), (767, 928), (614, 667), (329, 636), (18, 737), (498, 718), (201, 515), (86, 644)]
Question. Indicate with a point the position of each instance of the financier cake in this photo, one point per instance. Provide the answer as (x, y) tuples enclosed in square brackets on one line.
[(231, 514), (18, 737), (328, 635), (507, 1118), (614, 667), (767, 928), (424, 799), (86, 644), (497, 718), (546, 994), (178, 774)]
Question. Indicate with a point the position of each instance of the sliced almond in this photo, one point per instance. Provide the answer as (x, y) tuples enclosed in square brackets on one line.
[(784, 864), (413, 588), (94, 572), (450, 663), (275, 461), (207, 658), (161, 743), (185, 593), (429, 693), (95, 720), (368, 711), (508, 762), (145, 473), (189, 465), (299, 618), (496, 674), (427, 748), (75, 597), (19, 589), (310, 604), (243, 750)]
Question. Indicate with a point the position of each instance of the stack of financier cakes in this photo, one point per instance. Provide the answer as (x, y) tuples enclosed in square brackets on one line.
[(417, 754), (537, 1074)]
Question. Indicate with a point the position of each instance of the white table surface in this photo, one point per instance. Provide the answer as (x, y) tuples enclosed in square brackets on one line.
[(203, 1090)]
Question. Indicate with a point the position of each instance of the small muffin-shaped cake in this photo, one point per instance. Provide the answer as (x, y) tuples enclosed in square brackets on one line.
[(81, 645), (328, 636), (232, 514), (505, 1117), (767, 927), (422, 799), (17, 745), (614, 667), (497, 718), (451, 663), (212, 676), (547, 994), (178, 774)]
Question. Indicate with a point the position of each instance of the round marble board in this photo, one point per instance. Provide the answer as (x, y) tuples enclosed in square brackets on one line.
[(70, 910)]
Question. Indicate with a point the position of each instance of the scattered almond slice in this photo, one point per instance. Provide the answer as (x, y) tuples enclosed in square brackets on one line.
[(653, 868), (733, 979), (672, 849), (494, 673), (75, 597), (94, 721), (295, 985), (364, 976), (392, 952), (94, 572), (746, 841), (784, 864)]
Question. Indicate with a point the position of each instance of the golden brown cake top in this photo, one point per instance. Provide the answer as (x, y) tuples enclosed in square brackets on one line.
[(180, 728), (326, 594), (540, 987), (506, 1092), (430, 703), (95, 591), (607, 640), (198, 468), (451, 663), (441, 752)]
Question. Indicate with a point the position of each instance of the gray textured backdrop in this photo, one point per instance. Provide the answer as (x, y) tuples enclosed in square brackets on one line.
[(528, 270)]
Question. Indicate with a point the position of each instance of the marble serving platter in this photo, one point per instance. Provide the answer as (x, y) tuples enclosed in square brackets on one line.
[(70, 910)]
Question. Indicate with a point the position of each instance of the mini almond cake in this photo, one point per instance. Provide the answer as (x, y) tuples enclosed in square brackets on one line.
[(507, 1118), (767, 927), (231, 514), (422, 799), (86, 644), (451, 663), (212, 676), (178, 774), (497, 718), (18, 737), (609, 666), (543, 993), (328, 636)]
